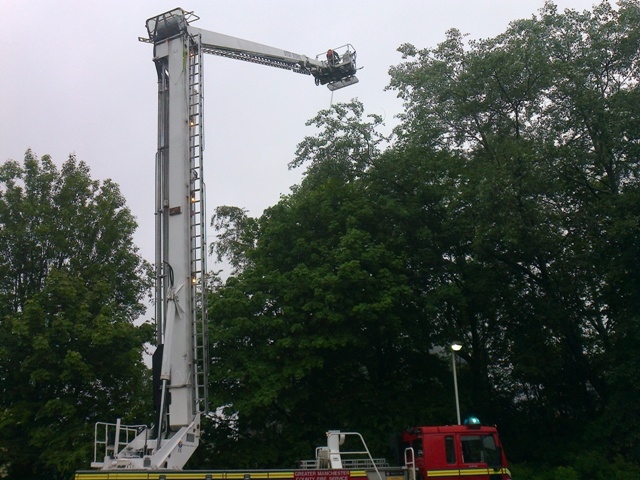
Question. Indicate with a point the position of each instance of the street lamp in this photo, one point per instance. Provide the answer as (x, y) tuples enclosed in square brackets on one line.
[(456, 347)]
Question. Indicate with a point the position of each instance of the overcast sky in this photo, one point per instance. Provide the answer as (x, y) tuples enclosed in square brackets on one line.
[(75, 79)]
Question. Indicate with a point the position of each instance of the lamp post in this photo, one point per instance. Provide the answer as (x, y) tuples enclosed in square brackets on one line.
[(456, 347)]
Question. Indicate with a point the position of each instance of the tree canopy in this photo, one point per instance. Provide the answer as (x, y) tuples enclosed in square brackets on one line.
[(543, 122), (73, 284), (503, 212)]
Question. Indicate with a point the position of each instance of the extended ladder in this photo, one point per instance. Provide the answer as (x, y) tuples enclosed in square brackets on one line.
[(198, 226)]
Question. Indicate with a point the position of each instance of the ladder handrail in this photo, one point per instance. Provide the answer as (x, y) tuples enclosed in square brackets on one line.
[(410, 462), (364, 444)]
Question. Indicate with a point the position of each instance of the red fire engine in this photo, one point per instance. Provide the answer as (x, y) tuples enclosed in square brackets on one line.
[(469, 451)]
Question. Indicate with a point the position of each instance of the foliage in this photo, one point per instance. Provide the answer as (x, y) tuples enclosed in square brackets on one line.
[(72, 286), (324, 308), (587, 466), (236, 238), (503, 213), (541, 121)]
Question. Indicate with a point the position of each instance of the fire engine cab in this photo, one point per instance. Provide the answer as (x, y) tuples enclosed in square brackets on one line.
[(472, 451)]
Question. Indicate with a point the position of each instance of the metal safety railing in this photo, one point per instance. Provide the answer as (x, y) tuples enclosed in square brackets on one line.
[(111, 438)]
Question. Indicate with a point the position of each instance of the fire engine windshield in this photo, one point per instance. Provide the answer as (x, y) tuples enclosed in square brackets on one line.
[(480, 449)]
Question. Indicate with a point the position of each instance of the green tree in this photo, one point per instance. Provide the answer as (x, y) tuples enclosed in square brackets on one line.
[(543, 123), (320, 329), (73, 284)]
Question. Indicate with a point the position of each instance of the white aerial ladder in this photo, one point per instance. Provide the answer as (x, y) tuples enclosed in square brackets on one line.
[(180, 361)]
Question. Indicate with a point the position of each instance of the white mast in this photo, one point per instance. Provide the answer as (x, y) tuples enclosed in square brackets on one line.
[(180, 361)]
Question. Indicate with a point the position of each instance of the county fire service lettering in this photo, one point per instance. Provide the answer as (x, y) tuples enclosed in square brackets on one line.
[(328, 474)]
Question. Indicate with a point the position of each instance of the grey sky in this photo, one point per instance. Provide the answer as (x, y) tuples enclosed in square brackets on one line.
[(75, 79)]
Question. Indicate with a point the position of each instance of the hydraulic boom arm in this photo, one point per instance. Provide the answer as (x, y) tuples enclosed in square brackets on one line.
[(337, 71)]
